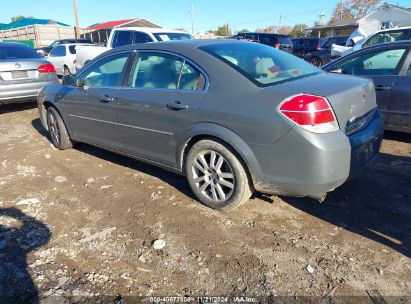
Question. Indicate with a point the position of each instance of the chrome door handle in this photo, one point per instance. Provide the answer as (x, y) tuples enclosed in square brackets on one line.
[(176, 106), (106, 99)]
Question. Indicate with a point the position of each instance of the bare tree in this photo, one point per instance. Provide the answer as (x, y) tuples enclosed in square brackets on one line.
[(349, 9)]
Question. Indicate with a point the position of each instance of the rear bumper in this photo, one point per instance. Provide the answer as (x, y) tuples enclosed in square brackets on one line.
[(15, 93), (308, 164)]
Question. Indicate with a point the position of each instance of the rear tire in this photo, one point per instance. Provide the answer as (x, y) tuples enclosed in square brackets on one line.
[(316, 61), (217, 176), (57, 130)]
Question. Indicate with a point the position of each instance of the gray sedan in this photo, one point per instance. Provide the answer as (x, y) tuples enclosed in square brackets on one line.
[(232, 116), (23, 73)]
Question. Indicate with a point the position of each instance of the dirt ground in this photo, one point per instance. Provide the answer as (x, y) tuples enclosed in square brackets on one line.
[(79, 225)]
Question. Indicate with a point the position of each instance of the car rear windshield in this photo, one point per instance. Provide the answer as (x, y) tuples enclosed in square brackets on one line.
[(261, 64), (17, 52), (172, 36), (284, 40)]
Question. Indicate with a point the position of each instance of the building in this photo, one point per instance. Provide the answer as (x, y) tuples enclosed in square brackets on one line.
[(99, 33), (386, 16), (35, 32)]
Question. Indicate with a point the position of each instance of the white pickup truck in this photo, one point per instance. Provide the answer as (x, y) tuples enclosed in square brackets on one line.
[(126, 36)]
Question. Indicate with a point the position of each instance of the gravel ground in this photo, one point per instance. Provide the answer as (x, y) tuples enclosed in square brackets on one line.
[(78, 226)]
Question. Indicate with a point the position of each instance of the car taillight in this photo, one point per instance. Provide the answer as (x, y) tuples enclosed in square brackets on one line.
[(277, 45), (318, 47), (310, 112), (46, 68)]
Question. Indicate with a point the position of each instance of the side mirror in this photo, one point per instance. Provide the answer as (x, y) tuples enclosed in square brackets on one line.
[(71, 80), (337, 71)]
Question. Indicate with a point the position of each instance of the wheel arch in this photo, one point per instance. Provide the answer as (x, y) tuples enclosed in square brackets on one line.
[(224, 135), (43, 112)]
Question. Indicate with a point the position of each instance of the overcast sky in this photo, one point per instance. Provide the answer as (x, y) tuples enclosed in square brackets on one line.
[(208, 14)]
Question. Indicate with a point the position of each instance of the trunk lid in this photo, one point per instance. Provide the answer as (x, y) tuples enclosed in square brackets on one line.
[(350, 97), (22, 70)]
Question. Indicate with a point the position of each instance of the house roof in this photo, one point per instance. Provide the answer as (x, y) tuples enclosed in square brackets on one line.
[(27, 22), (108, 24), (140, 22), (344, 23)]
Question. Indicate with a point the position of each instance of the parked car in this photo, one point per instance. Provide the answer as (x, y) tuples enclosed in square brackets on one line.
[(63, 57), (230, 115), (323, 55), (390, 35), (23, 73), (388, 65), (46, 50), (127, 36), (308, 44), (383, 36), (282, 42)]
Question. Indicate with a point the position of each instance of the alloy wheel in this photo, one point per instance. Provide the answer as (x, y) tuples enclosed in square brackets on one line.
[(54, 128), (213, 176)]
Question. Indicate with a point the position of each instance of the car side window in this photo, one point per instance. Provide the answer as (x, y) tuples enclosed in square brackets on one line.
[(58, 51), (123, 38), (382, 62), (142, 38), (191, 79), (163, 71), (105, 72)]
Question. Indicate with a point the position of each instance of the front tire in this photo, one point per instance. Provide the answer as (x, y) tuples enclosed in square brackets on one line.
[(217, 176), (57, 130)]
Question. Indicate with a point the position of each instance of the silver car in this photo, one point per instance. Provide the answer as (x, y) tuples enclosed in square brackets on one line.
[(232, 116), (23, 73)]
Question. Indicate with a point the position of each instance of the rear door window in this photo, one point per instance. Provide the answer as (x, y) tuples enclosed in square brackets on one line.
[(382, 62), (163, 71), (140, 37), (284, 40), (59, 51)]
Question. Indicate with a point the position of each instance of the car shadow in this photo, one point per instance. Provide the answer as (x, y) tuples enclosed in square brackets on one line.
[(174, 180), (16, 284), (374, 205), (403, 137), (17, 107)]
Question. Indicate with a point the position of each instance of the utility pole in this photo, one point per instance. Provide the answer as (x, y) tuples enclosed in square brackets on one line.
[(192, 17), (75, 15), (320, 21)]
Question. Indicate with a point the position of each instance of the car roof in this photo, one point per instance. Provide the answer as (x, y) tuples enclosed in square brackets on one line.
[(70, 44), (406, 43), (393, 29), (153, 30), (263, 33), (10, 44)]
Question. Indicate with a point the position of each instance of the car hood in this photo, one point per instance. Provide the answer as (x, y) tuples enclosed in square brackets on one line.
[(350, 97)]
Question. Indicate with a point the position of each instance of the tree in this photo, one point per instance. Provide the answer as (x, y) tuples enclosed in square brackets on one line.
[(284, 30), (223, 30), (348, 9), (299, 30), (15, 18), (243, 31)]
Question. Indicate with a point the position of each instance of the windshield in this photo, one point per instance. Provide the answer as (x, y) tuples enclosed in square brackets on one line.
[(261, 64), (172, 36), (17, 51)]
